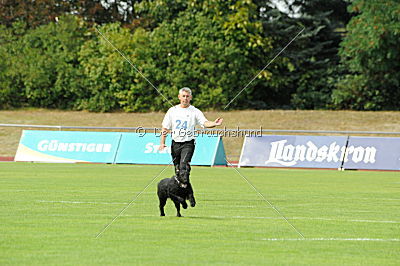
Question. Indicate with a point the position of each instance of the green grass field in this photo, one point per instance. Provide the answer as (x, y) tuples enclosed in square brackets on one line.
[(51, 214)]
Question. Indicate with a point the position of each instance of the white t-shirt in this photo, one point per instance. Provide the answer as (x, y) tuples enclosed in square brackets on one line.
[(182, 121)]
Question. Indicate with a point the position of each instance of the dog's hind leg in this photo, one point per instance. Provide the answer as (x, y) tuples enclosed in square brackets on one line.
[(163, 201)]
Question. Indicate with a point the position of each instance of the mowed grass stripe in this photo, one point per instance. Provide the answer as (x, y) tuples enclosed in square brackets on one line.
[(230, 225)]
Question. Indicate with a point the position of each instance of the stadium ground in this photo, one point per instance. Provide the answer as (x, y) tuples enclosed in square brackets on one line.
[(51, 213)]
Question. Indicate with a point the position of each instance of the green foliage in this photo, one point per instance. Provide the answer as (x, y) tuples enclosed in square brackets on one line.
[(11, 80), (110, 79), (209, 46), (51, 72), (304, 75), (317, 57), (159, 11), (208, 55), (213, 47), (191, 51), (352, 93), (371, 53)]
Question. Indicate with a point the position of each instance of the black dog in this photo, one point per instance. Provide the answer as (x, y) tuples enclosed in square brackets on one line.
[(178, 189)]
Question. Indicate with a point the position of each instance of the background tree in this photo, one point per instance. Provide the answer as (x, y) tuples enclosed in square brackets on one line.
[(109, 79), (370, 51), (215, 47), (305, 74), (206, 45), (41, 12), (51, 73), (33, 13), (11, 80)]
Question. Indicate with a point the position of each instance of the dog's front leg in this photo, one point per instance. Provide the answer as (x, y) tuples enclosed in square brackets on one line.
[(192, 200), (184, 204), (178, 208)]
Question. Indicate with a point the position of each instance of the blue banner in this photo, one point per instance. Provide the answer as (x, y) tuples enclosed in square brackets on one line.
[(143, 149), (67, 146), (110, 147)]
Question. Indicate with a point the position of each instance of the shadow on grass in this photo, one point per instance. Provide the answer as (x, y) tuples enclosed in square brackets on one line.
[(170, 217), (206, 218)]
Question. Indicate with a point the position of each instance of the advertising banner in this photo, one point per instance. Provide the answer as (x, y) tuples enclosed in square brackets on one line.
[(110, 147), (322, 152), (373, 153), (293, 151), (67, 146), (143, 149)]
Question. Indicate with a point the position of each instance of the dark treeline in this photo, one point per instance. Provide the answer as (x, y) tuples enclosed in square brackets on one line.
[(347, 57)]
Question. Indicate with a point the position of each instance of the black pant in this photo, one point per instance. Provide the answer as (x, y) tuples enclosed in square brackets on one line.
[(182, 153)]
